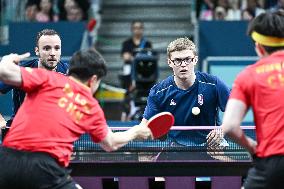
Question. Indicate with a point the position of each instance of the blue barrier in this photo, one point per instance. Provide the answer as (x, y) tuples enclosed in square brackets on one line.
[(227, 69), (223, 38)]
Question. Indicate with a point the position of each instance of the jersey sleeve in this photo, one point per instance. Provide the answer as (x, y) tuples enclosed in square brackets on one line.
[(241, 87), (152, 107), (33, 78), (99, 128), (223, 93)]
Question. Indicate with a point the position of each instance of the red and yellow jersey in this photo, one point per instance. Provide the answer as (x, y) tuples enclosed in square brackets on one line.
[(56, 112), (261, 86)]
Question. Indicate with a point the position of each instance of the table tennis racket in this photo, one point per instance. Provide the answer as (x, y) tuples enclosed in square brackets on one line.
[(160, 124)]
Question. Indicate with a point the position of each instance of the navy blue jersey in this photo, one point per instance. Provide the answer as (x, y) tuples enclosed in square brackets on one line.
[(208, 93), (19, 95)]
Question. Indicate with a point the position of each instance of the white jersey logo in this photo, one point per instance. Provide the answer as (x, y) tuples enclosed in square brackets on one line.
[(200, 99), (173, 103)]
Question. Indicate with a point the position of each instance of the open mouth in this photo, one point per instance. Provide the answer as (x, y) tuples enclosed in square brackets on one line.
[(183, 71)]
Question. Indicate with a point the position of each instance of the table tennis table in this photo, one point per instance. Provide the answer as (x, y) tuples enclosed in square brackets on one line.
[(144, 159), (144, 164)]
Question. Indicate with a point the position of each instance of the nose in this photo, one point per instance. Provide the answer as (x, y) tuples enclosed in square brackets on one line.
[(183, 63), (52, 52)]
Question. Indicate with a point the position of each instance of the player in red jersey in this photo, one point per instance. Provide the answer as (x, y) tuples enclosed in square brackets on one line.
[(56, 112), (261, 86)]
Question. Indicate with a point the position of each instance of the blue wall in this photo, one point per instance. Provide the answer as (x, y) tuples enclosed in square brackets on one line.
[(22, 36), (224, 38)]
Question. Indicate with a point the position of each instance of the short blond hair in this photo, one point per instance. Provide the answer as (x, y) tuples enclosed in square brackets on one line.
[(181, 44)]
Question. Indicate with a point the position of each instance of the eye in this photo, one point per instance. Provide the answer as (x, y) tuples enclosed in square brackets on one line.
[(46, 48), (177, 60), (188, 59)]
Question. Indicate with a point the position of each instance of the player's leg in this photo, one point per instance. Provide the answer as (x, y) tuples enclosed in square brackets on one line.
[(47, 173), (267, 173), (6, 170), (13, 172), (275, 172)]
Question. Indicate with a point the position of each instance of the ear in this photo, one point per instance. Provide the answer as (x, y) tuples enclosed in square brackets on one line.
[(36, 51), (170, 63), (260, 51), (93, 80), (195, 60)]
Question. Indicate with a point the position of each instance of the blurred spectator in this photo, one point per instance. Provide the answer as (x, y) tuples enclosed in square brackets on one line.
[(46, 13), (73, 10), (205, 9), (220, 13), (252, 10), (75, 14), (130, 47), (31, 10), (221, 8), (234, 12)]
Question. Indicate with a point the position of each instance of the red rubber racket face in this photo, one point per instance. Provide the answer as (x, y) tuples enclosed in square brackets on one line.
[(160, 124)]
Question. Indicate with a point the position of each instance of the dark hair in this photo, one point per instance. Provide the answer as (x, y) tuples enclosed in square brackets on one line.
[(137, 21), (32, 3), (84, 5), (86, 63), (45, 32), (51, 12), (269, 24)]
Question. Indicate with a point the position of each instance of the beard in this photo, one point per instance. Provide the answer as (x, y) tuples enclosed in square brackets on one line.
[(49, 65)]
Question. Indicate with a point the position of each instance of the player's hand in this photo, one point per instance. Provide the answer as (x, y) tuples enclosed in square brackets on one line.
[(143, 132), (3, 124), (215, 138), (14, 58)]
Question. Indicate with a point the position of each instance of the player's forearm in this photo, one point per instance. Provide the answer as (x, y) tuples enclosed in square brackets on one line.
[(239, 137), (114, 141), (120, 139)]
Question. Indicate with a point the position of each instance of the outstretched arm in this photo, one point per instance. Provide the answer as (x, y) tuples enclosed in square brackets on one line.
[(114, 141), (10, 73)]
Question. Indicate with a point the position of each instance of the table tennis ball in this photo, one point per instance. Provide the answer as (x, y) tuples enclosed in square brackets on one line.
[(195, 111)]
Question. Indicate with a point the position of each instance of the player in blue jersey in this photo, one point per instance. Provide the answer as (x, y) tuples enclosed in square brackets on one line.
[(48, 50), (194, 98)]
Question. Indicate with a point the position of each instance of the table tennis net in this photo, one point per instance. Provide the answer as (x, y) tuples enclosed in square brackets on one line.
[(179, 139)]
